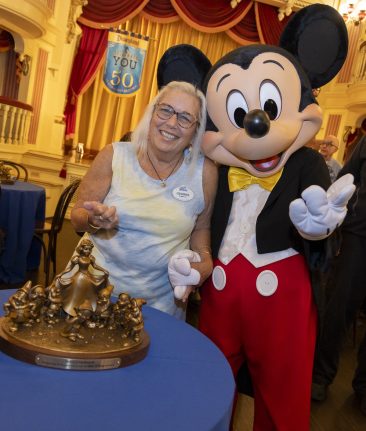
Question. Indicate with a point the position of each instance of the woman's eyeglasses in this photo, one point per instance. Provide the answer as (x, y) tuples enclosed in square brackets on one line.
[(185, 119)]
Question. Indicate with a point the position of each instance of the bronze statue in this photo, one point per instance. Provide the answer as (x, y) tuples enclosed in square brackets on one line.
[(103, 310), (54, 304), (134, 321), (73, 323), (37, 297), (18, 307), (83, 284)]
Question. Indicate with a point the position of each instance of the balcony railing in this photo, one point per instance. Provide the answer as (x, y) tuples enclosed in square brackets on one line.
[(15, 120)]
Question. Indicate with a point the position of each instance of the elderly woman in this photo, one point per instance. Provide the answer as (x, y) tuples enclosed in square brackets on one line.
[(142, 202)]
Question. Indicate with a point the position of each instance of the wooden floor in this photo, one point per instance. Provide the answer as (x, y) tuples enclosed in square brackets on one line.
[(338, 413)]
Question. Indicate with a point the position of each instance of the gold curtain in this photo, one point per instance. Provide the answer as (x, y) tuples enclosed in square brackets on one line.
[(103, 117)]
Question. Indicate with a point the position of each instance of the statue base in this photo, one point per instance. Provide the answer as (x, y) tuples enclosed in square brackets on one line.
[(94, 349)]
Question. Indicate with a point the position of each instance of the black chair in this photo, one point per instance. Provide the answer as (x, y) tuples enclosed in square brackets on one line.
[(2, 240), (17, 170), (53, 227)]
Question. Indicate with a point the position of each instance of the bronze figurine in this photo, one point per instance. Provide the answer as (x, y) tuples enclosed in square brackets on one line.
[(74, 321), (84, 284)]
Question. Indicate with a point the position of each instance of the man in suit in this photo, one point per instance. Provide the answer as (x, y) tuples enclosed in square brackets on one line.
[(349, 289)]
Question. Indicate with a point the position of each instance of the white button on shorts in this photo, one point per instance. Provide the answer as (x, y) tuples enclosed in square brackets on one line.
[(219, 277), (267, 283)]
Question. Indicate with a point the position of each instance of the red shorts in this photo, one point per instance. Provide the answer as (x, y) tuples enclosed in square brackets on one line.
[(267, 317)]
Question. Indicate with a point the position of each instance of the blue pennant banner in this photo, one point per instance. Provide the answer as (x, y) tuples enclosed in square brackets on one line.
[(124, 63)]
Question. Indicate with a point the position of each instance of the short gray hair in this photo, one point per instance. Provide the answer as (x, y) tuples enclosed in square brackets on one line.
[(141, 133)]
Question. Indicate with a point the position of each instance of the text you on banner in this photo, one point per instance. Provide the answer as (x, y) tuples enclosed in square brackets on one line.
[(124, 63)]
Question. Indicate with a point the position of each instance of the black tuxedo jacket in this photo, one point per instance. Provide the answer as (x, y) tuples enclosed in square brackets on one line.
[(274, 229)]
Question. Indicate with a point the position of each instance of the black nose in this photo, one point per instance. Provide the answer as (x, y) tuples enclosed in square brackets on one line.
[(257, 123)]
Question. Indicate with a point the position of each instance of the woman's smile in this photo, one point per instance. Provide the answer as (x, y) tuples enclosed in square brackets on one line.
[(169, 136)]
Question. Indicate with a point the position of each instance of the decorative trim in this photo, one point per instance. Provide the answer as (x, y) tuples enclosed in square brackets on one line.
[(76, 9), (38, 94), (334, 121)]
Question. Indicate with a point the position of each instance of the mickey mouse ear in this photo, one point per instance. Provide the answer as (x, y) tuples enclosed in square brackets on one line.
[(183, 63), (317, 36)]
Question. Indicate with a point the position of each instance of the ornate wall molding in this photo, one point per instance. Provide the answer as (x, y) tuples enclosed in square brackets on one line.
[(76, 9)]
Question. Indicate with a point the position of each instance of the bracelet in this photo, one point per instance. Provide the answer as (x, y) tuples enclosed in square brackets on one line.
[(95, 228), (205, 249)]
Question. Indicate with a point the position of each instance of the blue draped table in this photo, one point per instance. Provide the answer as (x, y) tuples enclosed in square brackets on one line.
[(22, 206), (183, 384)]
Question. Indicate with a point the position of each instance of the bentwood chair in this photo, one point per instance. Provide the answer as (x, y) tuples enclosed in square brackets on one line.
[(17, 170), (2, 240), (53, 227)]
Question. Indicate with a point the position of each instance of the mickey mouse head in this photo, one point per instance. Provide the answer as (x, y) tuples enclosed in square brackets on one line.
[(260, 102)]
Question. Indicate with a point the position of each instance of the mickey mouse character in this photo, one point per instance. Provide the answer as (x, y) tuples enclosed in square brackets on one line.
[(274, 208)]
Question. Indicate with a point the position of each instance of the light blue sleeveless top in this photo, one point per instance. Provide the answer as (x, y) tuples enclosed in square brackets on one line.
[(154, 223)]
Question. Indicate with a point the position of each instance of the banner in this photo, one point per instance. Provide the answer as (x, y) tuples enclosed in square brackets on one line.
[(124, 62)]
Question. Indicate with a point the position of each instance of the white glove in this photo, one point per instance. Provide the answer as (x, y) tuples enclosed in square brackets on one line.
[(319, 212), (181, 275)]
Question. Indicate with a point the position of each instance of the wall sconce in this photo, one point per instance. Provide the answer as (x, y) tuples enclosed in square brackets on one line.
[(353, 11)]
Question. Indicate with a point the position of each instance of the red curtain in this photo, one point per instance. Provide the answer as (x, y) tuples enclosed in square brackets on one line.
[(248, 22), (99, 13), (92, 47), (268, 23), (210, 15), (160, 11), (246, 29)]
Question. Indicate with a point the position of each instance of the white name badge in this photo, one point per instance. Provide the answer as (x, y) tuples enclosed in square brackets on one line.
[(183, 193)]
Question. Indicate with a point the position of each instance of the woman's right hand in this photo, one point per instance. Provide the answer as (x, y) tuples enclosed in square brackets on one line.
[(101, 215)]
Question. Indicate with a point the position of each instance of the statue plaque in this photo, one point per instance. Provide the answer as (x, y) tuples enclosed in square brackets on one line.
[(73, 323)]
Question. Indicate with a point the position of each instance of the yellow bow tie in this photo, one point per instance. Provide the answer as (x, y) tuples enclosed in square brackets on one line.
[(240, 179)]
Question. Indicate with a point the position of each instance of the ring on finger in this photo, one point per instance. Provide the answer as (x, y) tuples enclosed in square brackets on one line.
[(101, 218)]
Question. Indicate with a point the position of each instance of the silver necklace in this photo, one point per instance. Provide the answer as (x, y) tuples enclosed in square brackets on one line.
[(162, 180)]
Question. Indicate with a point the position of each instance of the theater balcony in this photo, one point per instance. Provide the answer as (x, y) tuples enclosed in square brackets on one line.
[(27, 17)]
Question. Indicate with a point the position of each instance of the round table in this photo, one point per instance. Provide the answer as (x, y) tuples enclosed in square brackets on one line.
[(22, 206), (184, 384)]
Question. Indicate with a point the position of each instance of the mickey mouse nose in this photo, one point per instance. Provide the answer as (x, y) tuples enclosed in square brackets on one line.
[(257, 123)]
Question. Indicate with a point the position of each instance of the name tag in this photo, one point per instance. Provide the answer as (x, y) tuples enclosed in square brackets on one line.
[(183, 193)]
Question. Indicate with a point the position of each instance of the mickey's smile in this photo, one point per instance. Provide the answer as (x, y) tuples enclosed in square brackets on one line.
[(268, 164)]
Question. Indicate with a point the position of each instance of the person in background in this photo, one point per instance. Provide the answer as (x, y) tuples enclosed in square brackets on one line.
[(348, 291), (141, 202), (327, 148)]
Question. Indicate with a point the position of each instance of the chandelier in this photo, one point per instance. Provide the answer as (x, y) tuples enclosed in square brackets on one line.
[(353, 11)]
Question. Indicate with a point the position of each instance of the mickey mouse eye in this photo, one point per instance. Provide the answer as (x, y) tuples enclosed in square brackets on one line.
[(270, 99), (237, 108)]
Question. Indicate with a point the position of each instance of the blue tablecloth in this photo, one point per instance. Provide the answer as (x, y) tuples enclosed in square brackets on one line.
[(22, 205), (183, 384)]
